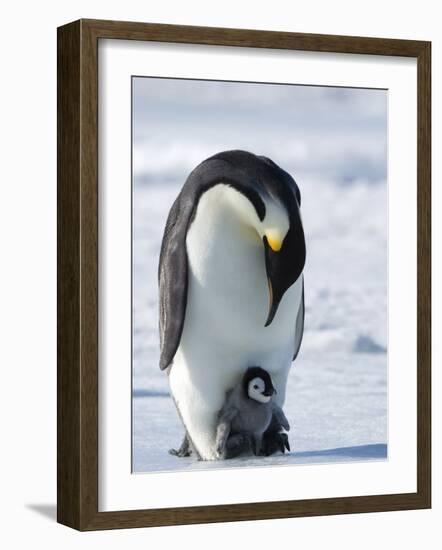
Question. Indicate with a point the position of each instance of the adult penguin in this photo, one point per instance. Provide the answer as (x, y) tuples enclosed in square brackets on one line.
[(231, 289)]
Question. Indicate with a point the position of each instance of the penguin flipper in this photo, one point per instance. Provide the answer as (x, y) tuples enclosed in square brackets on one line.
[(274, 439), (173, 279), (185, 449), (281, 417), (299, 327), (223, 429)]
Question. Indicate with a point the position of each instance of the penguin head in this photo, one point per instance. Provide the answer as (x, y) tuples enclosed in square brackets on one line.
[(268, 201), (266, 215), (258, 385)]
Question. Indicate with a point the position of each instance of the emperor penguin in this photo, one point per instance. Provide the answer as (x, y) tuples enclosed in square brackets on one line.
[(231, 289)]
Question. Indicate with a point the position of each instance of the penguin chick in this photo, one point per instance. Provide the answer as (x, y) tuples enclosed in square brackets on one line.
[(248, 412)]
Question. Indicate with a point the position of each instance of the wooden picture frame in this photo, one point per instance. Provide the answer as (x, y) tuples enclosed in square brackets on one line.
[(77, 225)]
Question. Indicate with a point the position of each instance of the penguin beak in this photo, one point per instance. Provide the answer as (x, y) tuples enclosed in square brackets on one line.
[(269, 392), (272, 248), (274, 239), (284, 261), (273, 305)]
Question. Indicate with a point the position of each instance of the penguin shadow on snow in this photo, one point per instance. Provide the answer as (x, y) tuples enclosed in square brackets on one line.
[(355, 453)]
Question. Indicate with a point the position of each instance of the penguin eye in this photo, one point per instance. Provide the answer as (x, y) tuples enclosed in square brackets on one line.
[(255, 387)]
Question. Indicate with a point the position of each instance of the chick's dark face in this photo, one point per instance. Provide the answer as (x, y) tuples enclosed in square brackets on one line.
[(258, 385)]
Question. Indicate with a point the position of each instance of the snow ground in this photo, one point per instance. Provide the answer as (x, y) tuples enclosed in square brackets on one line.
[(337, 391), (334, 416)]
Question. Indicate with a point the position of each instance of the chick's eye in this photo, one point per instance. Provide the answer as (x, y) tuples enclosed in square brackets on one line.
[(255, 387)]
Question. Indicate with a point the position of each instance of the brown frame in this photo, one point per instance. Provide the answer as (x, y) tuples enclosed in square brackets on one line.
[(77, 225)]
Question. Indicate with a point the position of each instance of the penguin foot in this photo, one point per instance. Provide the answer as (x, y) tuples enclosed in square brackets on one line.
[(236, 445), (185, 449), (180, 453), (274, 442)]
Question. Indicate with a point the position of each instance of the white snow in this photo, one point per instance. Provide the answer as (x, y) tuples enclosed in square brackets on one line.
[(337, 391)]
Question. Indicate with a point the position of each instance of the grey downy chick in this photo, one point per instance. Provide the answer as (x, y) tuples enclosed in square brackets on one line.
[(248, 411)]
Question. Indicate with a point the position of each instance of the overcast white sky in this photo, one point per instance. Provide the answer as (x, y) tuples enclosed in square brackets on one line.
[(325, 132)]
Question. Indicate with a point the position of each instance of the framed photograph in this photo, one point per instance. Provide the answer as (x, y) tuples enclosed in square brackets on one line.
[(243, 274)]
